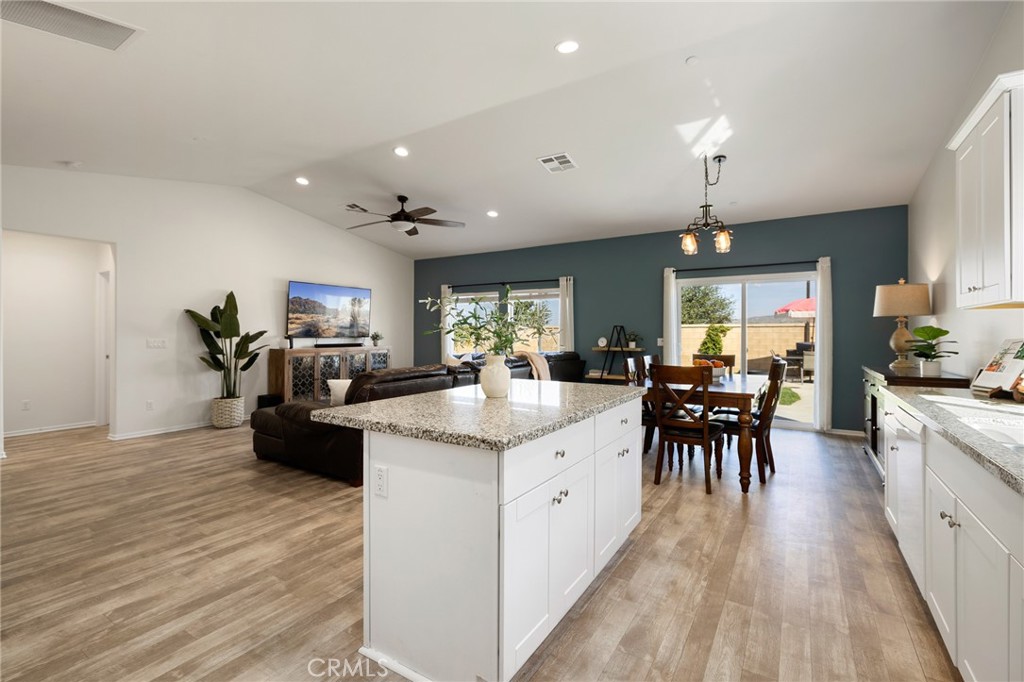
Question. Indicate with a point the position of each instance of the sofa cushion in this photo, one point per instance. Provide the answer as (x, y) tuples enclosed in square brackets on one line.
[(298, 412), (266, 421)]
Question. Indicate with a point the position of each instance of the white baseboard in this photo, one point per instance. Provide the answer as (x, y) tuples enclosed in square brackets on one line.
[(47, 429), (845, 433), (157, 432)]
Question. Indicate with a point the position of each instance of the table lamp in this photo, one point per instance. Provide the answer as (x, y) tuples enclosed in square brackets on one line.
[(899, 301)]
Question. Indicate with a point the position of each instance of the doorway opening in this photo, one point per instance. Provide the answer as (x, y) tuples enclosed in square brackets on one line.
[(755, 317)]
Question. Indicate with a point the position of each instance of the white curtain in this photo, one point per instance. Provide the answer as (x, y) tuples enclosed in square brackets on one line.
[(567, 332), (447, 344), (670, 319), (823, 347)]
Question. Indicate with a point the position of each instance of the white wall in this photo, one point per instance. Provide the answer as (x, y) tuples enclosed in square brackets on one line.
[(49, 337), (932, 219), (184, 245)]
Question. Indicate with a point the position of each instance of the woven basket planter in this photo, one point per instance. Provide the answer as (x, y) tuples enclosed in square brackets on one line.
[(228, 412)]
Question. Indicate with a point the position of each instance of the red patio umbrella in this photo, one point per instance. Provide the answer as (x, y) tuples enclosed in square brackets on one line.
[(802, 307)]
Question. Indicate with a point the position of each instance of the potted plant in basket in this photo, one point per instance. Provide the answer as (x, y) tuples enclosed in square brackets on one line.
[(493, 327), (229, 352), (376, 337), (633, 338), (926, 346)]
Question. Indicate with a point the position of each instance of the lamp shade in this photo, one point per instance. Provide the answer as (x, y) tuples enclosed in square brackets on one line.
[(902, 300)]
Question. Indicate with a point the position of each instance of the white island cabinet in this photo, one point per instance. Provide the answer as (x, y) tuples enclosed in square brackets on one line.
[(486, 519)]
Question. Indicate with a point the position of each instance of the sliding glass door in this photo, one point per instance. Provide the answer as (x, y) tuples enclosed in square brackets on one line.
[(754, 318)]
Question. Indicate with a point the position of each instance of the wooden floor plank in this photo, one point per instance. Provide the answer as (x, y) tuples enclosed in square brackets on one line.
[(183, 557)]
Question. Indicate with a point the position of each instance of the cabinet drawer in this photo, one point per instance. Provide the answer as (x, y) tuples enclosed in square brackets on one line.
[(530, 464), (616, 422)]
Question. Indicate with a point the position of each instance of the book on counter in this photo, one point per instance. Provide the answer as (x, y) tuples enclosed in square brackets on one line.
[(1003, 371)]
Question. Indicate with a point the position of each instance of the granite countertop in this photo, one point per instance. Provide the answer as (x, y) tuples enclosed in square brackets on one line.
[(980, 427), (463, 416)]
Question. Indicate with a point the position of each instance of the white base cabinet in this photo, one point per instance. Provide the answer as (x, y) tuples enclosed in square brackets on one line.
[(473, 556), (1016, 620)]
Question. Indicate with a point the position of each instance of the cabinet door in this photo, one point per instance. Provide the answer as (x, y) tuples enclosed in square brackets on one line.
[(571, 539), (910, 498), (526, 618), (889, 449), (994, 203), (968, 209), (940, 558), (627, 485), (607, 538), (1016, 621), (982, 605)]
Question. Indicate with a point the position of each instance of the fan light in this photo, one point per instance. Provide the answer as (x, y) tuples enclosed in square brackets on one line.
[(402, 225), (401, 151)]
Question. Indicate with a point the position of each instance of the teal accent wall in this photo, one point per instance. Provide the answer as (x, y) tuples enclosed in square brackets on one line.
[(619, 281)]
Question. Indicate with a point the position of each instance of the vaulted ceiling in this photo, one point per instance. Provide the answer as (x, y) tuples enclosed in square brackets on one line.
[(819, 107)]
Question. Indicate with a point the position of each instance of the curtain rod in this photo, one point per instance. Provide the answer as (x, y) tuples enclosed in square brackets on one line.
[(521, 281), (740, 267)]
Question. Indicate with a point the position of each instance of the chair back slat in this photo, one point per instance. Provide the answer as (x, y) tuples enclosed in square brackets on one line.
[(674, 388), (634, 377)]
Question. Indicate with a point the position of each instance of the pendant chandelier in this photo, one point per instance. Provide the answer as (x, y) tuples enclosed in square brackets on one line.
[(706, 221)]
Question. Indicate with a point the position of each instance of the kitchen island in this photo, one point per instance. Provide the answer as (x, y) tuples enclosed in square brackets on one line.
[(485, 519)]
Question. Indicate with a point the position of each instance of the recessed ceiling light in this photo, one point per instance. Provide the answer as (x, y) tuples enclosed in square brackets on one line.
[(302, 181), (567, 47), (401, 151), (492, 214), (692, 60)]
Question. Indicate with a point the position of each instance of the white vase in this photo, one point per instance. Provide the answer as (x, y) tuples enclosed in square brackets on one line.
[(227, 413), (495, 377), (931, 368)]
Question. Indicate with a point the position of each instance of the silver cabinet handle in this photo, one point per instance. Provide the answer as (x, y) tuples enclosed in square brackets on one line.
[(949, 519), (894, 447), (559, 453), (952, 523), (564, 493), (624, 421), (889, 414), (557, 499)]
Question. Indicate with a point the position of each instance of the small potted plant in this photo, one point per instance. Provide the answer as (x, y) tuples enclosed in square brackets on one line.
[(632, 338), (493, 327), (926, 346), (376, 337), (229, 352)]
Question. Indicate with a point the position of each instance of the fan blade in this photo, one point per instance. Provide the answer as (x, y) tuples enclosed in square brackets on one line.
[(442, 223), (420, 212), (376, 222), (412, 231), (359, 209)]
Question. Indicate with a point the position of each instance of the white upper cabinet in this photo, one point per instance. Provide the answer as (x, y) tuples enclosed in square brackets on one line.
[(990, 198)]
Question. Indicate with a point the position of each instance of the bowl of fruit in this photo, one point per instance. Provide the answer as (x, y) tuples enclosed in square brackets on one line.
[(717, 368)]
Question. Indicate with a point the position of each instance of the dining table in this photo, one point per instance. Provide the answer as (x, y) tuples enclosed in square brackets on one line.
[(737, 391)]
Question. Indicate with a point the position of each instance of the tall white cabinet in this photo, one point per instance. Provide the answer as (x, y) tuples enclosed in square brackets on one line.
[(990, 198)]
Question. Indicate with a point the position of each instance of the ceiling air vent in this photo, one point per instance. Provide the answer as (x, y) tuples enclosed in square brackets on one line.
[(557, 163), (66, 22)]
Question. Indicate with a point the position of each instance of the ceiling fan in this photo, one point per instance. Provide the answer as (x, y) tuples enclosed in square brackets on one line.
[(402, 220)]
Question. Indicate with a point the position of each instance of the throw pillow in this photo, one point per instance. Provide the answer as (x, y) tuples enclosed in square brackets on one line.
[(338, 387), (455, 361)]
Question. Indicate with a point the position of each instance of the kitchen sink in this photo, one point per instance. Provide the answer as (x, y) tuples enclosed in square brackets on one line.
[(1002, 422)]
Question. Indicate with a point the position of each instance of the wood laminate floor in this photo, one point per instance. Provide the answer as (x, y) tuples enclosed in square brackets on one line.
[(183, 557)]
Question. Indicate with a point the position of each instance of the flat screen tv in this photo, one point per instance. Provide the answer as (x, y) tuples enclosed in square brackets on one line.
[(327, 311)]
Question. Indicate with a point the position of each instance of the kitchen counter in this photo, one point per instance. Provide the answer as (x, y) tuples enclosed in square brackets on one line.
[(463, 416), (983, 429)]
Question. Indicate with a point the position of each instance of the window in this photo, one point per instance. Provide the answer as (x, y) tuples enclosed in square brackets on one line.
[(546, 298)]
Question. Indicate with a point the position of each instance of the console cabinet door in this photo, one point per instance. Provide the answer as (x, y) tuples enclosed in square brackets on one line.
[(982, 607), (940, 558), (571, 539), (527, 617)]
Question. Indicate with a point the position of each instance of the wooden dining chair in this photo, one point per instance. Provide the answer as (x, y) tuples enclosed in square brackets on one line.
[(678, 421), (636, 375), (761, 425)]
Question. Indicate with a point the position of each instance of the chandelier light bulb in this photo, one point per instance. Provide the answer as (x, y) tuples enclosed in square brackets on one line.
[(723, 240), (689, 244)]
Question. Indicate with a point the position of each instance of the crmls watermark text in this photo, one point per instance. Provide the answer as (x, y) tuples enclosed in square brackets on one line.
[(338, 668)]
